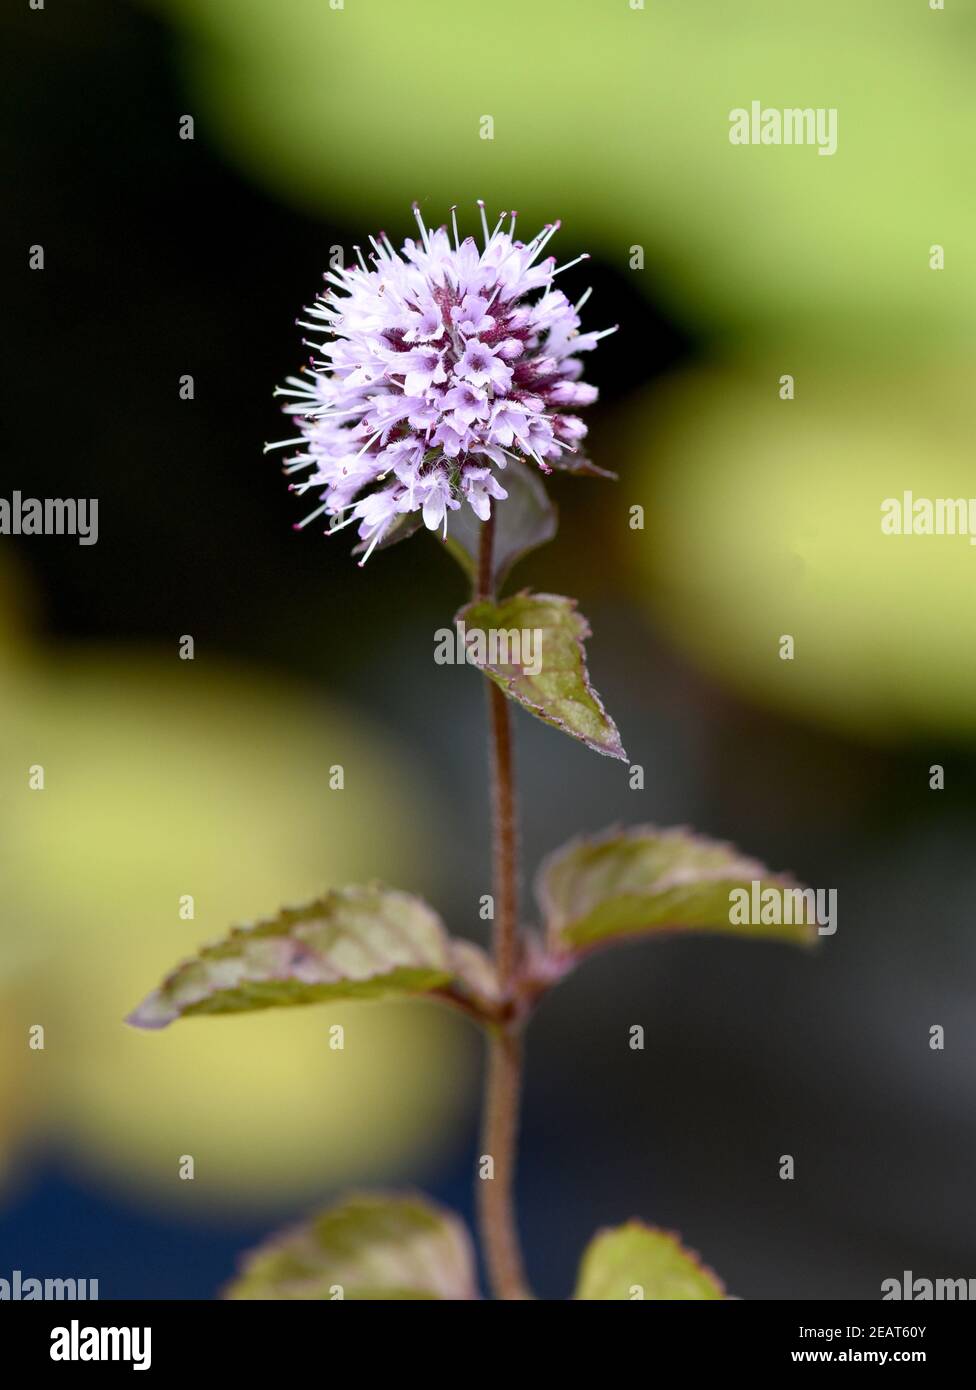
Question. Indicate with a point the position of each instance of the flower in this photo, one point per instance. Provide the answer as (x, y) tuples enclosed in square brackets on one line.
[(436, 367)]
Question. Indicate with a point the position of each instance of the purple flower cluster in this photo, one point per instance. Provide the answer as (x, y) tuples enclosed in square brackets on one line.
[(435, 370)]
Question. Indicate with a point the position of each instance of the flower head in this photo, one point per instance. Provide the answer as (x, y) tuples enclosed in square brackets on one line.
[(438, 365)]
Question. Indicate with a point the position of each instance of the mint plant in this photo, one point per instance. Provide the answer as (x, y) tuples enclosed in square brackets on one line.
[(443, 391)]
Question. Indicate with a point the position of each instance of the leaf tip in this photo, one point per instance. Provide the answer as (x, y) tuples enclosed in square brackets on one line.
[(151, 1014), (617, 750), (635, 1255)]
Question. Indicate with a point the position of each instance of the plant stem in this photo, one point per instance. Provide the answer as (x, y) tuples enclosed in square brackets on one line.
[(504, 837), (496, 1195), (496, 1202)]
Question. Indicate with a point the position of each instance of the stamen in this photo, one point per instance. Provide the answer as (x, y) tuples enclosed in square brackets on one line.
[(569, 265), (300, 525), (372, 546), (342, 524), (371, 440), (543, 238), (420, 223), (285, 443), (495, 232)]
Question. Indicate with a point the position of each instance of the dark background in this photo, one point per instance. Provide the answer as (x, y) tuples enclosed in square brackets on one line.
[(162, 260)]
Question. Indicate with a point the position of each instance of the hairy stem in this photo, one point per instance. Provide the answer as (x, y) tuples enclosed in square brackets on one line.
[(504, 837), (496, 1201), (496, 1195)]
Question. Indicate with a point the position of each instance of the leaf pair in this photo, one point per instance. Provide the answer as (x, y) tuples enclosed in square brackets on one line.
[(374, 942), (373, 1247)]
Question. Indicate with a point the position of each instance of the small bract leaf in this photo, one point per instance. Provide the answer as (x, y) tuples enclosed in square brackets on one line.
[(581, 467), (353, 943), (371, 1246), (635, 1261), (401, 529), (531, 645), (594, 892), (524, 520)]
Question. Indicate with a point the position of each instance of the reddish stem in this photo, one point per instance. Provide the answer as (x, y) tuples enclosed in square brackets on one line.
[(496, 1194)]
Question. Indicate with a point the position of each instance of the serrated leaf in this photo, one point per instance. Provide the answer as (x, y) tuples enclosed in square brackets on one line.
[(353, 943), (637, 1261), (531, 645), (594, 892), (371, 1246), (524, 520)]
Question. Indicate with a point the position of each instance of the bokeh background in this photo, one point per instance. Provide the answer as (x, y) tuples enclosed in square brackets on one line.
[(314, 126)]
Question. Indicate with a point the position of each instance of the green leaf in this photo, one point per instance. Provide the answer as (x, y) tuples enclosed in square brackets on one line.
[(371, 1246), (531, 645), (353, 943), (524, 520), (594, 892), (637, 1261)]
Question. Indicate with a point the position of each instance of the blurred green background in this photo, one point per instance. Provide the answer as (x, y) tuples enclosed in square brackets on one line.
[(313, 127)]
